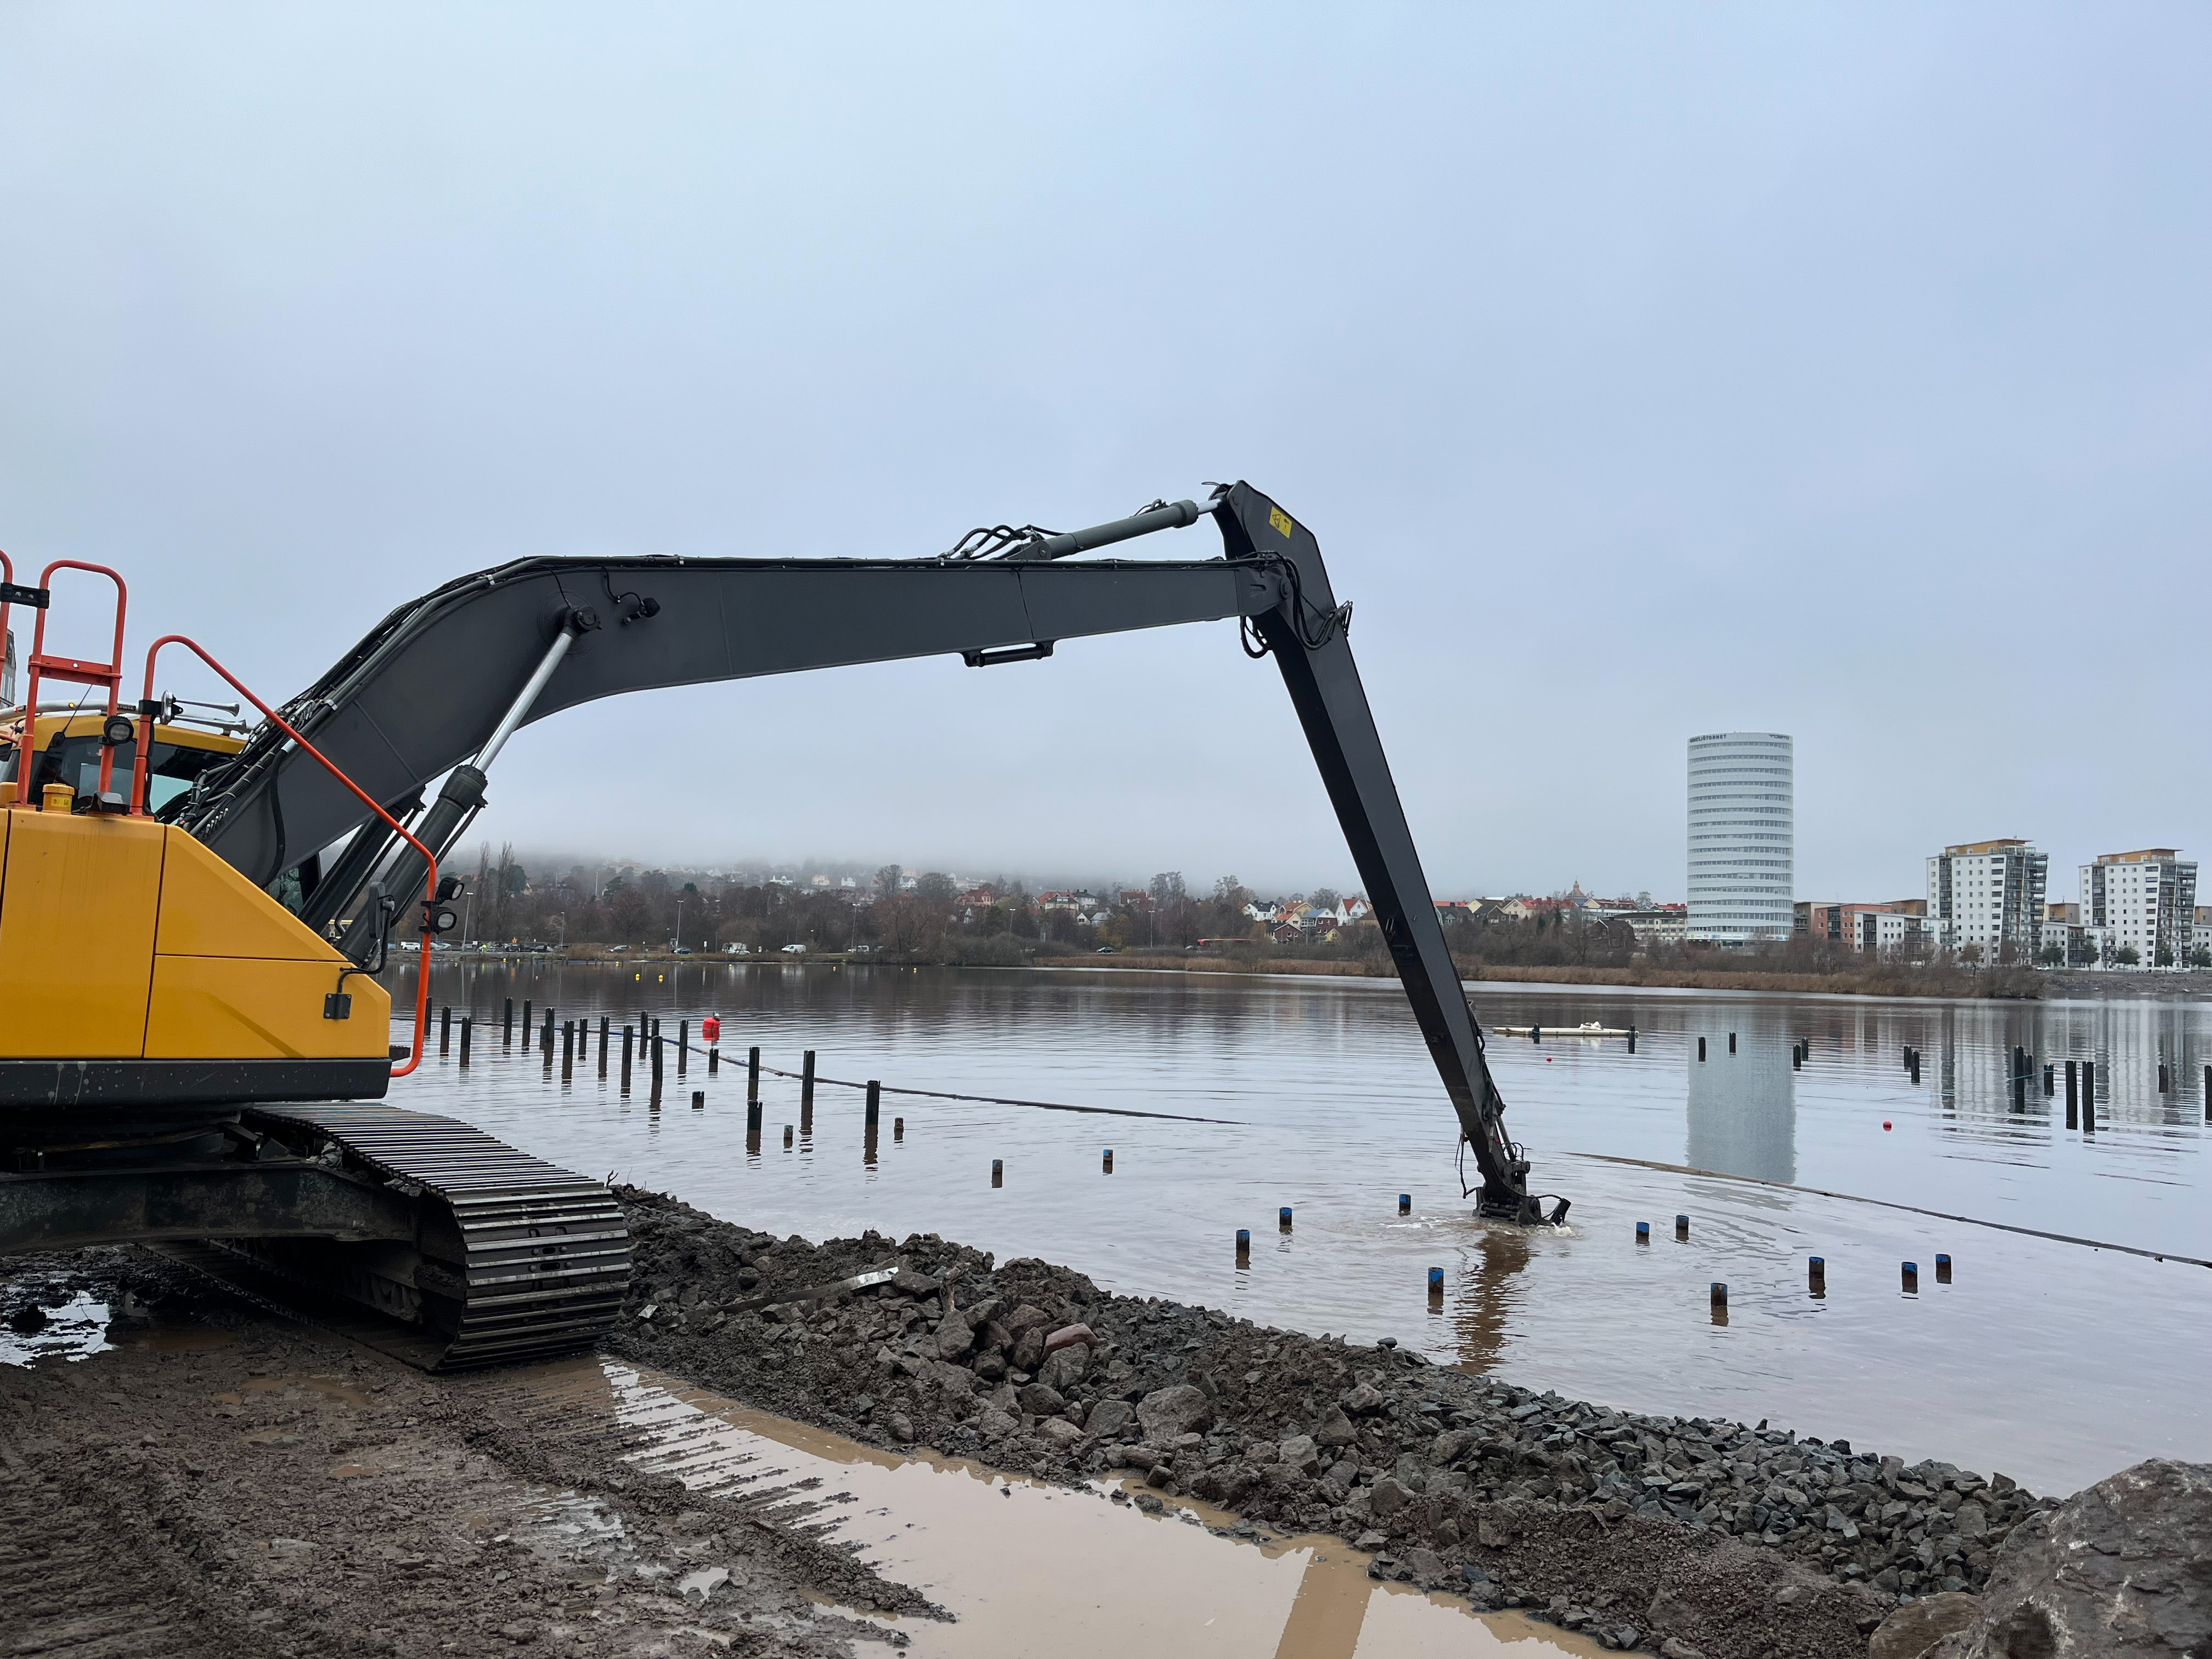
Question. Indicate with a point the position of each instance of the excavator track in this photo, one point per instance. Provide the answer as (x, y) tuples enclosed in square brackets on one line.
[(523, 1260)]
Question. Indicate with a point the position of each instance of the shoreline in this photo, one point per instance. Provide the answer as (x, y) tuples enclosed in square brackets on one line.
[(1637, 1529), (2057, 986), (2050, 986)]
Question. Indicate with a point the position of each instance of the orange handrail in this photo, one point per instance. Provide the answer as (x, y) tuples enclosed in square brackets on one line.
[(430, 882), (76, 671)]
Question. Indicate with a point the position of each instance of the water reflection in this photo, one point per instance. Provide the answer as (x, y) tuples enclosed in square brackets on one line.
[(1743, 1106), (1482, 1317)]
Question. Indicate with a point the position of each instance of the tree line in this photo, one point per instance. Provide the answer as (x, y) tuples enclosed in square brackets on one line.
[(931, 918)]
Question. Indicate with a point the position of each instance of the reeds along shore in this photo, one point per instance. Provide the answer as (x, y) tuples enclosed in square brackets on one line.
[(1906, 981)]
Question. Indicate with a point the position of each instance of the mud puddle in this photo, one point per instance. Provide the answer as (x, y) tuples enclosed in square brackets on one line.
[(1104, 1570), (71, 1328)]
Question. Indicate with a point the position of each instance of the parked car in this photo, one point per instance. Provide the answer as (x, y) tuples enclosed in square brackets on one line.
[(1103, 951), (794, 949)]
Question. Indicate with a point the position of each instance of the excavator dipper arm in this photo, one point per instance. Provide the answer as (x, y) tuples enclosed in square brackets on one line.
[(1308, 637), (435, 689)]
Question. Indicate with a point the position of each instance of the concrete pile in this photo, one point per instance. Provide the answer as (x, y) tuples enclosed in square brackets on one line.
[(1607, 1521)]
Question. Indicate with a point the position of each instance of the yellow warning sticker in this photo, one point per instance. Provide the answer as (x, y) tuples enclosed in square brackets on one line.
[(1281, 521)]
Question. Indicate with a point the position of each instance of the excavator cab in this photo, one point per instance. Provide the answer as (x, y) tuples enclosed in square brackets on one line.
[(66, 744)]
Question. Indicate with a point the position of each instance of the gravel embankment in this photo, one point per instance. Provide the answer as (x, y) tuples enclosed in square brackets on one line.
[(1676, 1534)]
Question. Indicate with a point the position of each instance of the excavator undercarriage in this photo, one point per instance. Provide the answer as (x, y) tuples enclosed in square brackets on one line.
[(184, 1057)]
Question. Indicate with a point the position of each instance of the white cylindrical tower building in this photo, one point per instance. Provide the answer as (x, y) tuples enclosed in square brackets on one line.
[(1742, 834)]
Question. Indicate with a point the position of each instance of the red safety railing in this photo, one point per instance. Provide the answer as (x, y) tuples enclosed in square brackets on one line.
[(429, 858), (75, 670)]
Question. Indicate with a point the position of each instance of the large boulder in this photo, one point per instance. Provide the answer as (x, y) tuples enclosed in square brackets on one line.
[(1336, 1430), (1364, 1398), (2123, 1568), (1043, 1400), (1166, 1413), (1109, 1417), (1064, 1368)]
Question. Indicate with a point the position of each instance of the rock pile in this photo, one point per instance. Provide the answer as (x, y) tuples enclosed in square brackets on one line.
[(2124, 1567), (1513, 1498)]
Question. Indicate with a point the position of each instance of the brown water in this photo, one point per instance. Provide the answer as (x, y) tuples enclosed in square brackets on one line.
[(2054, 1363), (1024, 1566)]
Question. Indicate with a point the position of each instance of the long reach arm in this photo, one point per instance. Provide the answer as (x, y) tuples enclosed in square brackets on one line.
[(440, 684)]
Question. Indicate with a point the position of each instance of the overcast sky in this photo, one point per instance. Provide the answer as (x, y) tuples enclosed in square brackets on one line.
[(1844, 371)]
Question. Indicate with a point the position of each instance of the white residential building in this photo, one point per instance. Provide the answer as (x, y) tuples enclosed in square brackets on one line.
[(2146, 901), (1742, 836), (1655, 924), (1988, 894)]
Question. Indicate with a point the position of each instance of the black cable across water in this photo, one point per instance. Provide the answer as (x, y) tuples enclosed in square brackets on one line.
[(1603, 1158), (993, 1100), (1891, 1203)]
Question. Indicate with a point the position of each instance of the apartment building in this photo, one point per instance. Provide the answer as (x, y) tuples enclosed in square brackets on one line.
[(1882, 929), (1989, 895), (1655, 924), (2144, 901)]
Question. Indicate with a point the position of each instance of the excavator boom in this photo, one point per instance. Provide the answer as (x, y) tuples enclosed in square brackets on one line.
[(440, 682)]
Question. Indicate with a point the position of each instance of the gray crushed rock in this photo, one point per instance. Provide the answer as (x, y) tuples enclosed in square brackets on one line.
[(1639, 1530)]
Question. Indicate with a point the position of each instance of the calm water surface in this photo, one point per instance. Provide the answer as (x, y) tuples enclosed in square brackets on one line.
[(2053, 1362)]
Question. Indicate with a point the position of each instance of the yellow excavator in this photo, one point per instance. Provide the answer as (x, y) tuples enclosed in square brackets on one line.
[(194, 1043)]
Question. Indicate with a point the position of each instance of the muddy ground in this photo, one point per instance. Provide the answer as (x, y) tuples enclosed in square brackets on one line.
[(228, 1484), (1664, 1533)]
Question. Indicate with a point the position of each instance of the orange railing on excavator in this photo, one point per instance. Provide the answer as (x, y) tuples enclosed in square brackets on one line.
[(76, 671)]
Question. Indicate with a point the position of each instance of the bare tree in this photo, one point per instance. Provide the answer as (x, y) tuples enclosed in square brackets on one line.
[(1168, 899)]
